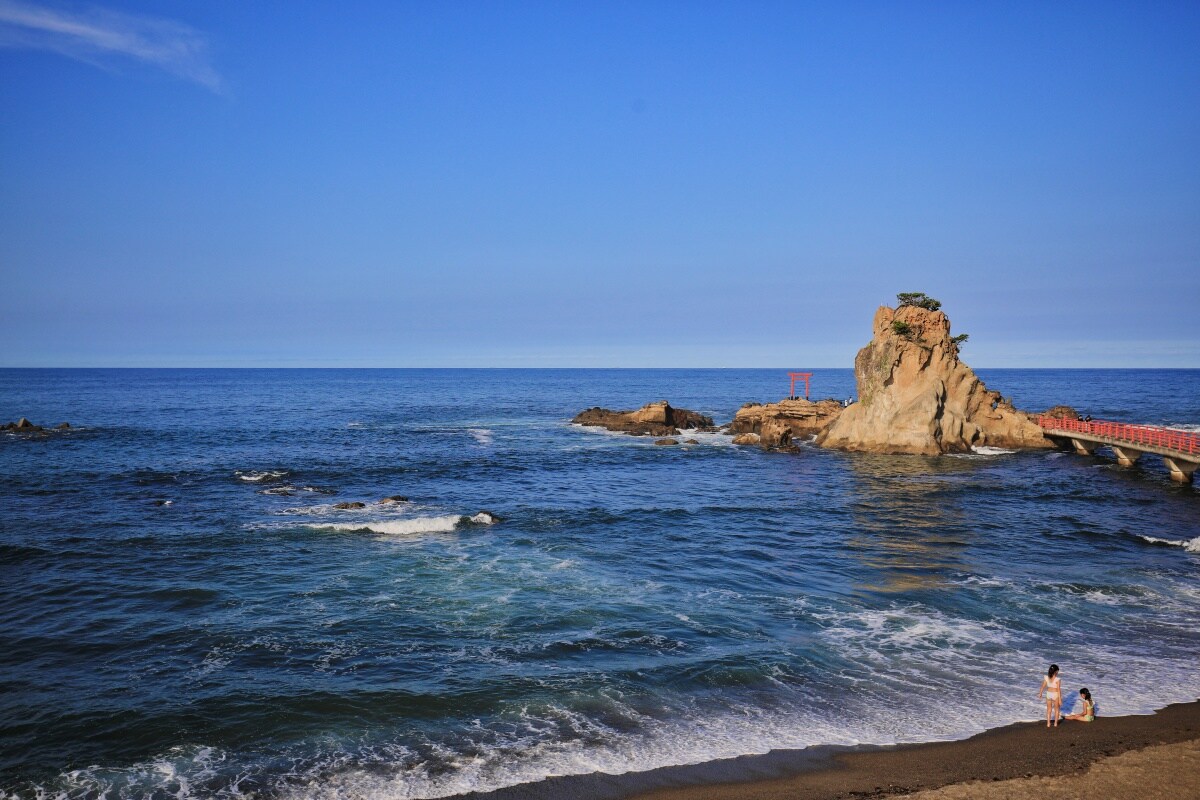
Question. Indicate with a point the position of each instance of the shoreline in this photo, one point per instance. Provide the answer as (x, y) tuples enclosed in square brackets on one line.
[(1005, 756)]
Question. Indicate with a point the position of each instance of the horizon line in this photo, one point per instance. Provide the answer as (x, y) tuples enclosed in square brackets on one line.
[(493, 368)]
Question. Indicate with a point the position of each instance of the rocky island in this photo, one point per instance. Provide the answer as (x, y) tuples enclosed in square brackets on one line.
[(917, 396), (777, 424), (652, 419)]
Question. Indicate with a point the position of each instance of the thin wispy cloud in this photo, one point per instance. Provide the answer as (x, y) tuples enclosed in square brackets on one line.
[(102, 37)]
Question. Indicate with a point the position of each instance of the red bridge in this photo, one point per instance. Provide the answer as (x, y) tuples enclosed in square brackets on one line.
[(1179, 449)]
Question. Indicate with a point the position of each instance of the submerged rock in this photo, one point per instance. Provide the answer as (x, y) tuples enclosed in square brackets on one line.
[(396, 498), (916, 396), (483, 518), (652, 419), (667, 441), (348, 506)]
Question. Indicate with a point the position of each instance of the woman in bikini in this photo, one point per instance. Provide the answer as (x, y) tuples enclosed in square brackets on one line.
[(1088, 712), (1052, 689)]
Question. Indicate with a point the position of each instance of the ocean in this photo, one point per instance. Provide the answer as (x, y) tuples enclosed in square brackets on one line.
[(185, 612)]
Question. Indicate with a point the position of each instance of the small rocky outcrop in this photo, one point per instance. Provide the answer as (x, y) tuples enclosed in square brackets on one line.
[(776, 424), (349, 506), (25, 426), (667, 441), (482, 518), (917, 396), (396, 498), (746, 438), (1061, 412), (653, 419)]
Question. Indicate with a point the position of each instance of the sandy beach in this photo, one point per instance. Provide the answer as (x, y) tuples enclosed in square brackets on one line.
[(1151, 756)]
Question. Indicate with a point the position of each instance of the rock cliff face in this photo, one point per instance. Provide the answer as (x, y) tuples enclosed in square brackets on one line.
[(653, 419), (778, 423), (916, 396)]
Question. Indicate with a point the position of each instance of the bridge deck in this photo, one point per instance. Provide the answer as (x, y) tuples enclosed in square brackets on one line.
[(1164, 441)]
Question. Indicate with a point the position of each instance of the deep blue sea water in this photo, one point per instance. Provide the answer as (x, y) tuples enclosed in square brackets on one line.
[(638, 606)]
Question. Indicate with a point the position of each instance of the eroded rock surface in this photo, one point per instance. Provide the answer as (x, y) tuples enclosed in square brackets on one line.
[(653, 419), (776, 424), (917, 396)]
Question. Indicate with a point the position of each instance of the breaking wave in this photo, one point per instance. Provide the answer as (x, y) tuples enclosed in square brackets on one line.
[(261, 476), (407, 527), (1190, 545)]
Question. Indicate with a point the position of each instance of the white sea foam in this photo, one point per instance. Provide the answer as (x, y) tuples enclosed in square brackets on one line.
[(258, 476), (1190, 545), (983, 451), (481, 435), (546, 741), (707, 437), (911, 627), (986, 581), (701, 437), (319, 510), (331, 509), (1103, 598), (398, 527)]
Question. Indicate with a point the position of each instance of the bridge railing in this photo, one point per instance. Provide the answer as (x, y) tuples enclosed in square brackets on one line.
[(1181, 441)]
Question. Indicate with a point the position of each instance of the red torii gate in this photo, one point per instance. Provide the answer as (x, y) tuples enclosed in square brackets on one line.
[(794, 375)]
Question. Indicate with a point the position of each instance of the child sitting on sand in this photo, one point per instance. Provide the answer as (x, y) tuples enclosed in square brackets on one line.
[(1088, 714)]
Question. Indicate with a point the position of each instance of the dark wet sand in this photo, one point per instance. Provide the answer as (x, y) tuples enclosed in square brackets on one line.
[(1017, 761), (1026, 751)]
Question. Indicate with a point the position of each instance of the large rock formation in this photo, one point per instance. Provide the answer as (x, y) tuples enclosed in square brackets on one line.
[(916, 396), (653, 419), (778, 423)]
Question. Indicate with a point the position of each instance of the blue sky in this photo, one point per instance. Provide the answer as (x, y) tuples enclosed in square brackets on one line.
[(603, 184)]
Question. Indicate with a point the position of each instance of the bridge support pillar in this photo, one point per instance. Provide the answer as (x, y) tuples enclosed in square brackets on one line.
[(1181, 471), (1126, 456), (1084, 448)]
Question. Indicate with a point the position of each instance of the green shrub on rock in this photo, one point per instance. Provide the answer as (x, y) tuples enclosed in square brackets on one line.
[(918, 299)]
